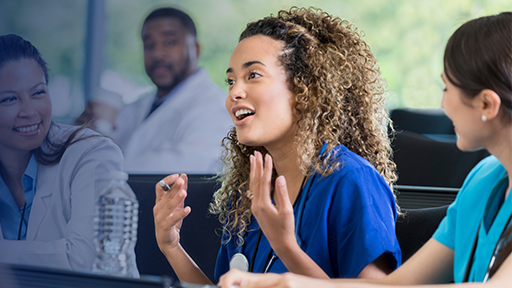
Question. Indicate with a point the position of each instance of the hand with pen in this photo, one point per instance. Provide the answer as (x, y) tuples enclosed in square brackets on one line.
[(169, 210)]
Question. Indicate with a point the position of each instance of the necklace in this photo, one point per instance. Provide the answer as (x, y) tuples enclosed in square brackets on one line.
[(22, 219)]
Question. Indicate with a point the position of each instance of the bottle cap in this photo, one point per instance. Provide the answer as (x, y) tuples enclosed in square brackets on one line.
[(118, 175)]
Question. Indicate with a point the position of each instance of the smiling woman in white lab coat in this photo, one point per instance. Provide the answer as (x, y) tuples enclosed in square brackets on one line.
[(51, 174)]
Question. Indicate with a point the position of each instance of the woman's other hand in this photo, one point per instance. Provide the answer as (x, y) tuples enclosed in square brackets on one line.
[(276, 221)]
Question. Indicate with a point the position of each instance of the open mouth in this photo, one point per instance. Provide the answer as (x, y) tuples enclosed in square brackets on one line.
[(243, 113), (27, 129)]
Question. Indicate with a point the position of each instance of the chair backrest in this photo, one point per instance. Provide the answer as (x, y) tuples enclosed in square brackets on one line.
[(422, 161), (414, 197), (423, 121), (416, 226), (200, 234)]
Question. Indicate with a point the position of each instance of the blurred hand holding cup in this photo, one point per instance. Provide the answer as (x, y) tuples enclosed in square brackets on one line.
[(105, 107)]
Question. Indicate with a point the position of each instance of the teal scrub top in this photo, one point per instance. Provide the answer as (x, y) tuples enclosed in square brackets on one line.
[(458, 229)]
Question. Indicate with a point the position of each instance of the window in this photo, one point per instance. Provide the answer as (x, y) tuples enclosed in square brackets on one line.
[(407, 38)]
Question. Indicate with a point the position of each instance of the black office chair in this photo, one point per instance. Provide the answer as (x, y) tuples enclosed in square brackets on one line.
[(415, 197), (416, 226), (423, 121), (200, 234), (422, 161)]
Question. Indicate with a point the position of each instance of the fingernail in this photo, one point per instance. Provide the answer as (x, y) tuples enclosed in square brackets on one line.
[(251, 158), (280, 181)]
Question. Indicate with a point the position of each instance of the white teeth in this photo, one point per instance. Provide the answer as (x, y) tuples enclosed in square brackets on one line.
[(243, 112), (27, 129)]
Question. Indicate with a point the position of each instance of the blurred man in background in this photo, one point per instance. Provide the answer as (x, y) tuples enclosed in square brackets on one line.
[(180, 126)]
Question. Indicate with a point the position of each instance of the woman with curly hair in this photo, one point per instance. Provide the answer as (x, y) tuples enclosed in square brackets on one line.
[(473, 243), (306, 99)]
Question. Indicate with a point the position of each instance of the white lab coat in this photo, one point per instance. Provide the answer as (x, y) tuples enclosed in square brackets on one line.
[(183, 135), (60, 231)]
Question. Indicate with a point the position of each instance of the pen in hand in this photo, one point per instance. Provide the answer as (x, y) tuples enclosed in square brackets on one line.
[(164, 185)]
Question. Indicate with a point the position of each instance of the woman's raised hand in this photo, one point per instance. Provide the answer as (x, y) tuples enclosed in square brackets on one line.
[(276, 221), (169, 211)]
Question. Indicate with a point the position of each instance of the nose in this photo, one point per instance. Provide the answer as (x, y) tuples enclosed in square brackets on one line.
[(158, 51), (27, 109), (237, 92), (152, 55)]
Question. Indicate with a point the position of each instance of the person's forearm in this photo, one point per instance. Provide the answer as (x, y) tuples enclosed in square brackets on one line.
[(370, 283), (185, 267), (298, 262)]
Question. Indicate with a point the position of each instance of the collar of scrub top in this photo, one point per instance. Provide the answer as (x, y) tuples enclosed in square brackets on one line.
[(301, 201), (505, 236), (493, 204), (299, 205)]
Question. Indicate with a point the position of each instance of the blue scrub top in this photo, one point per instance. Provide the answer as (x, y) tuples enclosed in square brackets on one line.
[(10, 214), (348, 221), (458, 229)]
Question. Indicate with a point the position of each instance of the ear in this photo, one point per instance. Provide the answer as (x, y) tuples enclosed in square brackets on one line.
[(193, 48), (198, 49), (490, 103)]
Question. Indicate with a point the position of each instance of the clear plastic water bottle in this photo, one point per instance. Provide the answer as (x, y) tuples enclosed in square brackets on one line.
[(115, 227)]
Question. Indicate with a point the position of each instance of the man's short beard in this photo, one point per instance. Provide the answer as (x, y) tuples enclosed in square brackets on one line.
[(175, 82), (179, 76)]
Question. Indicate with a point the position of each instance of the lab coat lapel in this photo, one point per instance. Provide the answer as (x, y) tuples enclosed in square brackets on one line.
[(44, 191), (145, 107), (159, 119), (129, 118)]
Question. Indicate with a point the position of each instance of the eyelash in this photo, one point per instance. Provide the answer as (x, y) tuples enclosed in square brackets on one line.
[(227, 81), (250, 73), (12, 98), (7, 99)]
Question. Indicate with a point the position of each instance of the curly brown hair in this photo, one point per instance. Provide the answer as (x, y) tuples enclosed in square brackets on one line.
[(339, 95)]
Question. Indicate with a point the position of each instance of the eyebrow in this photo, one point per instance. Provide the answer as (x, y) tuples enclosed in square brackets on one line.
[(168, 32), (246, 65), (14, 92), (40, 83)]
